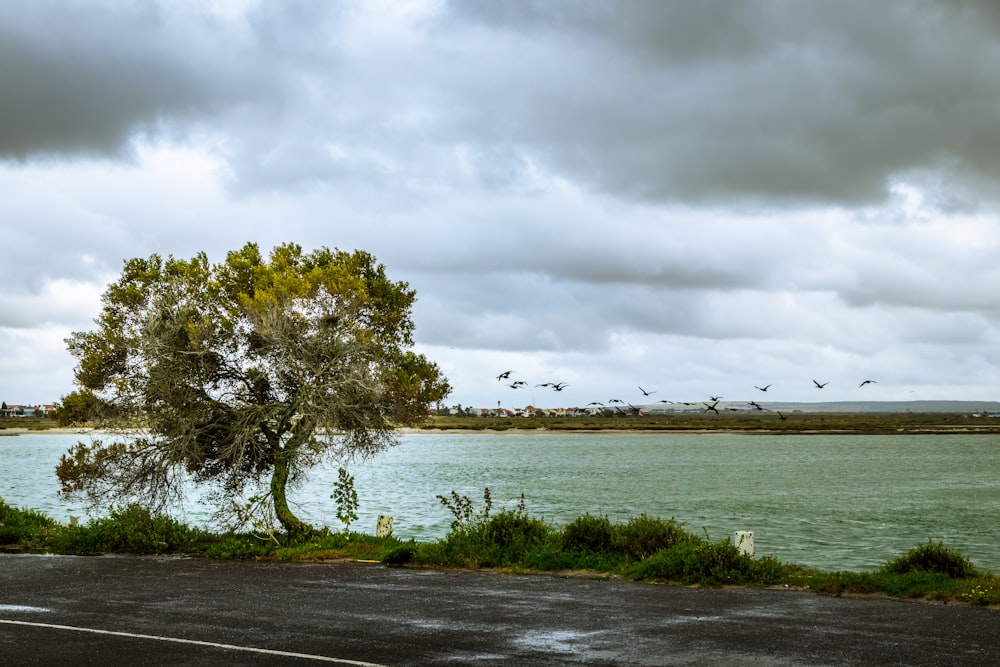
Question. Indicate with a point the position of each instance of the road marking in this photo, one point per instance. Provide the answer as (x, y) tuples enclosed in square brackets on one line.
[(21, 607), (178, 640)]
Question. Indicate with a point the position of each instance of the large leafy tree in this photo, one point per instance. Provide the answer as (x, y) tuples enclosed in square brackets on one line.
[(245, 373)]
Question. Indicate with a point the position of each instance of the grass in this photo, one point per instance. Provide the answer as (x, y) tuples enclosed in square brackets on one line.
[(27, 423), (643, 548)]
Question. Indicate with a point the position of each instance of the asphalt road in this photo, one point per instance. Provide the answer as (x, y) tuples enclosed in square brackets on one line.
[(171, 611)]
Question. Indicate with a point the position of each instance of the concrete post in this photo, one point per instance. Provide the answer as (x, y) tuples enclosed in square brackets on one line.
[(384, 526), (743, 540)]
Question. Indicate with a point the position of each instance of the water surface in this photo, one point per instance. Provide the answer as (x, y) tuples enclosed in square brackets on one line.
[(839, 502)]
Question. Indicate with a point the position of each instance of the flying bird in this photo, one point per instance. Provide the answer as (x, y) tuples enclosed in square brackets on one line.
[(756, 405), (866, 382), (715, 398), (820, 386), (711, 407), (504, 376), (764, 388), (783, 417), (646, 393), (559, 386)]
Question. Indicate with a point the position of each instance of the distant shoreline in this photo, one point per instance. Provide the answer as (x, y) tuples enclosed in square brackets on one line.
[(746, 423), (58, 430)]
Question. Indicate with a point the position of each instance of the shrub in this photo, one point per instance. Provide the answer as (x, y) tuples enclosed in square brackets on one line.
[(501, 541), (477, 539), (130, 529), (708, 563), (588, 533), (642, 536), (401, 555), (932, 558), (22, 525)]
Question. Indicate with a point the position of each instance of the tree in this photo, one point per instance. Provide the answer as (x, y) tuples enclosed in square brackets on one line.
[(78, 407), (245, 373)]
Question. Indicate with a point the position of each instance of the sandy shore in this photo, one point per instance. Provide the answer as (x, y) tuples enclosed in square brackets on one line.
[(44, 431)]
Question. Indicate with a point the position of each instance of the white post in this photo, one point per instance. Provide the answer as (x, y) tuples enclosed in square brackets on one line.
[(743, 539), (384, 526)]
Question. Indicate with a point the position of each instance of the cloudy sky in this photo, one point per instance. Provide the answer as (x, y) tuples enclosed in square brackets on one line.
[(695, 198)]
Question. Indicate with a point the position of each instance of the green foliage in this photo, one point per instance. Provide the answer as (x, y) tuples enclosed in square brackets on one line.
[(931, 558), (984, 592), (131, 529), (597, 543), (478, 539), (239, 546), (588, 533), (245, 372), (643, 548), (79, 407), (504, 540), (23, 526), (708, 563), (346, 498), (462, 509), (401, 555), (642, 536)]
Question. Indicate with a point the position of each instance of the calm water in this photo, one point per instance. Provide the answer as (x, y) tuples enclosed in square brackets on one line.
[(832, 502)]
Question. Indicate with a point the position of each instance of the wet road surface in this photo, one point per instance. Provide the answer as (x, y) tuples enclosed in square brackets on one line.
[(176, 611)]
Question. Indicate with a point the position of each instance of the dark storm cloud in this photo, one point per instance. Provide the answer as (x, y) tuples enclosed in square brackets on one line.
[(765, 101), (85, 77)]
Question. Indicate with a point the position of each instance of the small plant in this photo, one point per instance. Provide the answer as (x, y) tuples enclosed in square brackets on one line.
[(258, 513), (346, 498), (461, 508), (980, 595)]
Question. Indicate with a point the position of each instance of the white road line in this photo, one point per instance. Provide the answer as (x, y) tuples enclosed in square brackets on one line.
[(178, 640)]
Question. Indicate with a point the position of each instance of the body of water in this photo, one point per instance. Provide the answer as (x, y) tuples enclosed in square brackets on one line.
[(840, 502)]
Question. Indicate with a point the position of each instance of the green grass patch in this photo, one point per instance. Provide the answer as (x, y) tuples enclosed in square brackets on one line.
[(643, 548)]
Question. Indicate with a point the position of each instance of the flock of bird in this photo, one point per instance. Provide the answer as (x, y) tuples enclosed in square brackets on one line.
[(616, 403)]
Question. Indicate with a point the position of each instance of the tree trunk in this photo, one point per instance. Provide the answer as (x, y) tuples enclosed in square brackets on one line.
[(279, 479)]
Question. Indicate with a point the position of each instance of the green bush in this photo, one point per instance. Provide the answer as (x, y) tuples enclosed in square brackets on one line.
[(642, 536), (23, 526), (503, 540), (131, 529), (708, 563), (401, 555), (933, 558), (589, 533)]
